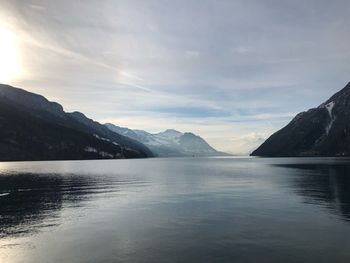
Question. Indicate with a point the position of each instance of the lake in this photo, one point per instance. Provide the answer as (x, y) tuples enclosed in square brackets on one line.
[(176, 210)]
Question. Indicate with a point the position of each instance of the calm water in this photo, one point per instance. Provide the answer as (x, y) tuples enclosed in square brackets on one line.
[(176, 210)]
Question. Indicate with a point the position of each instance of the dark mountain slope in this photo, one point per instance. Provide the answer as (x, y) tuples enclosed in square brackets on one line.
[(321, 131), (33, 128)]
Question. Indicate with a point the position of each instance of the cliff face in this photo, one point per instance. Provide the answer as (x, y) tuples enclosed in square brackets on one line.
[(321, 131)]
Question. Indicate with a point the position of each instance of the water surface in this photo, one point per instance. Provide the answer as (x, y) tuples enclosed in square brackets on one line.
[(176, 210)]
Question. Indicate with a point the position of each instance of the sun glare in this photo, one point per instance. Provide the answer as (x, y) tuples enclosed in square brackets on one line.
[(10, 65)]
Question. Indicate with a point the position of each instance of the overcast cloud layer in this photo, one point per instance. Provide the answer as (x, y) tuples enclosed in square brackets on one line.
[(232, 71)]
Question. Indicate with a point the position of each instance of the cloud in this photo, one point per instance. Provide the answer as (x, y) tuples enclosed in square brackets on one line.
[(228, 70), (246, 143), (242, 49), (37, 7)]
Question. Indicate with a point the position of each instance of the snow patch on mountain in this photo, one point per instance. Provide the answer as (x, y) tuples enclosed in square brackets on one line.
[(90, 149), (329, 108), (101, 138), (101, 153)]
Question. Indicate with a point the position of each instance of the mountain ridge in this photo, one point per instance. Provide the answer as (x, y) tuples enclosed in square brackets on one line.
[(320, 131), (169, 143), (34, 128)]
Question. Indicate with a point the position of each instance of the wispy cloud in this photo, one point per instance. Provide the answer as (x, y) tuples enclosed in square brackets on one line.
[(202, 66), (38, 7)]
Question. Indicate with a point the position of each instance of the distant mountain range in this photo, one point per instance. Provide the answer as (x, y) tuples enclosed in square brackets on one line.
[(170, 142), (33, 128), (321, 131)]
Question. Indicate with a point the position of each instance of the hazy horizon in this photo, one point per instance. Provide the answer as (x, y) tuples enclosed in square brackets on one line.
[(232, 72)]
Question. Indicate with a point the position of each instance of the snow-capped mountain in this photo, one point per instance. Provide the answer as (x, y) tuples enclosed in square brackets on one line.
[(170, 142), (321, 131)]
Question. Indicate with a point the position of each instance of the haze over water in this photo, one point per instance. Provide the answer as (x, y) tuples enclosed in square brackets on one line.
[(176, 210)]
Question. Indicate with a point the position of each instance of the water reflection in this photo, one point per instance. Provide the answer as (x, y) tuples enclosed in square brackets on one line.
[(29, 201), (324, 184), (175, 210)]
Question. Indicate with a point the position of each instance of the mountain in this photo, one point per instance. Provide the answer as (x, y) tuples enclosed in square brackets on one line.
[(321, 131), (33, 128), (170, 142)]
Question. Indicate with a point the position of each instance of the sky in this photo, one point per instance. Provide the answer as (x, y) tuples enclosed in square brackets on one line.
[(231, 71)]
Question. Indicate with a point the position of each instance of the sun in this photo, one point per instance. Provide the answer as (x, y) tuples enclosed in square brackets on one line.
[(10, 63)]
